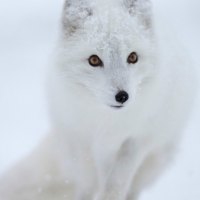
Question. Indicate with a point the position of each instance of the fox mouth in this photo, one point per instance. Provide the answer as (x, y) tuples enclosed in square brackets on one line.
[(117, 107)]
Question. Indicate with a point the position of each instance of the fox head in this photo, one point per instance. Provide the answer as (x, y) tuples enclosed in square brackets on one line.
[(108, 49)]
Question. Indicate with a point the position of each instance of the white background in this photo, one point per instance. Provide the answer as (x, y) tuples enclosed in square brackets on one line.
[(28, 33)]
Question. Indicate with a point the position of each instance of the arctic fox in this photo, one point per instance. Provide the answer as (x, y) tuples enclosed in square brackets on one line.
[(120, 93)]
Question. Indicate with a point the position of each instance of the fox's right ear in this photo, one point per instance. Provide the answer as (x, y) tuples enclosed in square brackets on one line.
[(140, 8), (75, 12)]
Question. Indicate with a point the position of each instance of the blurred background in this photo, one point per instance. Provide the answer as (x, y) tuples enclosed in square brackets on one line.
[(28, 34)]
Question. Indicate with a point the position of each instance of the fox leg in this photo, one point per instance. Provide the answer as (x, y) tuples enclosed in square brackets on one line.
[(124, 168)]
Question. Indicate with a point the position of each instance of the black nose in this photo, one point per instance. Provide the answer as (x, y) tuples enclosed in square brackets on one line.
[(122, 97)]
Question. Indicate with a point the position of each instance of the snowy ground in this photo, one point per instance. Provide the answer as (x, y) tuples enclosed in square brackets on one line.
[(27, 36)]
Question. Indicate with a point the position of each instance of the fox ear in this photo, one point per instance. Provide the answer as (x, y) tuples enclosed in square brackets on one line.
[(142, 9), (75, 13)]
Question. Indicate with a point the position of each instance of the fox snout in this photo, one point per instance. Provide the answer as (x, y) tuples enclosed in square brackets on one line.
[(122, 97)]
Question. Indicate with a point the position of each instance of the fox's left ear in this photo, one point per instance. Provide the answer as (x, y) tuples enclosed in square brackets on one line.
[(140, 8), (75, 12)]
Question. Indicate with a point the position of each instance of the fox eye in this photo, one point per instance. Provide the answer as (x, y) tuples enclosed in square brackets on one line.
[(132, 58), (95, 61)]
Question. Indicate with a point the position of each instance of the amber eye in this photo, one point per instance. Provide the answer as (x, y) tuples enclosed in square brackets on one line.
[(95, 61), (132, 58)]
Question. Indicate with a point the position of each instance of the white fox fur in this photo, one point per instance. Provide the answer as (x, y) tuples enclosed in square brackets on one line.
[(97, 151)]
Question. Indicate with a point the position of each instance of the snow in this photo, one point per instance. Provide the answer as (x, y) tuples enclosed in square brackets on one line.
[(28, 33)]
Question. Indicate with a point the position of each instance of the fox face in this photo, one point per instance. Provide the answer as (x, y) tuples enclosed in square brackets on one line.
[(108, 54)]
